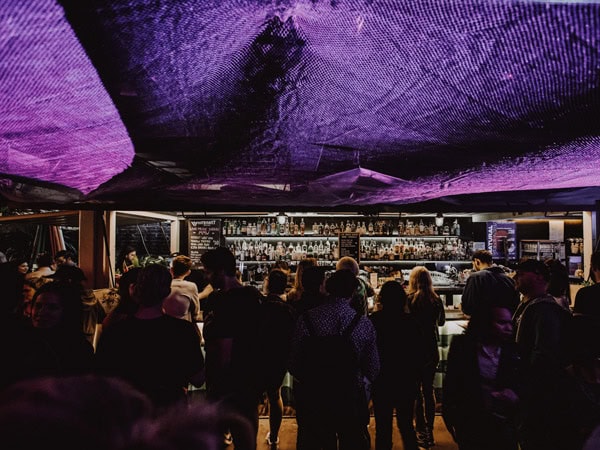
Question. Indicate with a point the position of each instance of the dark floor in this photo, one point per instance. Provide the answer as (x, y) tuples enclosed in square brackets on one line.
[(287, 435)]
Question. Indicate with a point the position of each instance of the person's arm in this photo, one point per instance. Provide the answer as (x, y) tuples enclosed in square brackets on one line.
[(369, 354), (469, 296), (441, 319)]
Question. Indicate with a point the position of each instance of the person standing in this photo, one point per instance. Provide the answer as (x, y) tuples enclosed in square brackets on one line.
[(542, 339), (401, 344), (360, 298), (486, 285), (64, 258), (334, 355), (44, 268), (231, 331), (54, 344), (276, 328), (587, 300), (428, 310), (157, 353), (481, 386), (182, 291), (127, 260)]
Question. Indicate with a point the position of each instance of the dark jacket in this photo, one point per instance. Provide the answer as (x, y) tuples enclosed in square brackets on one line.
[(463, 406), (489, 286)]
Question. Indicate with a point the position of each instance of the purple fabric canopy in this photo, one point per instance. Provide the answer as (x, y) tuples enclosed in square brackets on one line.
[(265, 104)]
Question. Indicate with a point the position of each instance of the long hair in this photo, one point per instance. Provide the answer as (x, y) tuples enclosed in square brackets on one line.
[(420, 287), (392, 296), (303, 264)]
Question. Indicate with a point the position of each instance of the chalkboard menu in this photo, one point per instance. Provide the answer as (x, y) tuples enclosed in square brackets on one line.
[(349, 245), (203, 235)]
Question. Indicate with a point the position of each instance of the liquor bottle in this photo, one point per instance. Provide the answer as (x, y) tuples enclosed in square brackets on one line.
[(456, 227), (263, 227), (302, 226)]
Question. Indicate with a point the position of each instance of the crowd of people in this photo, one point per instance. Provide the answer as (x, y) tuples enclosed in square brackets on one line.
[(524, 374)]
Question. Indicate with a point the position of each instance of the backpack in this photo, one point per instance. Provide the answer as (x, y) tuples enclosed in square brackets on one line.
[(329, 377)]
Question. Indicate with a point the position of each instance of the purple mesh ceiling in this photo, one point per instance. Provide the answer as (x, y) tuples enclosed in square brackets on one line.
[(300, 103), (58, 125)]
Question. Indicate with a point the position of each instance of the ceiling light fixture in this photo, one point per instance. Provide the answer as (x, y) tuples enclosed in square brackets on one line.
[(439, 220)]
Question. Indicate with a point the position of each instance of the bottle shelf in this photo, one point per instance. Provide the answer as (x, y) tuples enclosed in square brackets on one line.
[(270, 237), (376, 262)]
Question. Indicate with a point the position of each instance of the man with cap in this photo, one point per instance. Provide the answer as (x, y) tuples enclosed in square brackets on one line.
[(541, 334)]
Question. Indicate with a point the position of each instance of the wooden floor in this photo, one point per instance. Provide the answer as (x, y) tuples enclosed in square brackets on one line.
[(287, 435)]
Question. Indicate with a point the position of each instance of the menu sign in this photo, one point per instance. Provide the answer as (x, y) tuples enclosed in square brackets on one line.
[(203, 235), (502, 239), (349, 245)]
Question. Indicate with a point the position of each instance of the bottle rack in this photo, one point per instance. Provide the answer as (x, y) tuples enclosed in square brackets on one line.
[(395, 242), (299, 226)]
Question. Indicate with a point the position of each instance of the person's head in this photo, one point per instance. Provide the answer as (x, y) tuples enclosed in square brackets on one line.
[(177, 305), (559, 278), (595, 264), (57, 306), (420, 286), (341, 284), (152, 285), (199, 426), (532, 278), (277, 282), (392, 296), (481, 259), (419, 279), (300, 269), (347, 263), (21, 265), (219, 264), (64, 257), (127, 282), (128, 254), (30, 287), (492, 324), (313, 280), (282, 265), (85, 411), (44, 260), (69, 274), (181, 266)]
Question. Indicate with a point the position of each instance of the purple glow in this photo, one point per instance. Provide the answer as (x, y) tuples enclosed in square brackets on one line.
[(226, 98), (58, 123)]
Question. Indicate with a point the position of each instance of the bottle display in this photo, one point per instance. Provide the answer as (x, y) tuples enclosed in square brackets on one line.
[(388, 241)]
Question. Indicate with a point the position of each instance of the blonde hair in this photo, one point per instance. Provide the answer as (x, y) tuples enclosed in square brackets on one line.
[(420, 286), (348, 263)]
